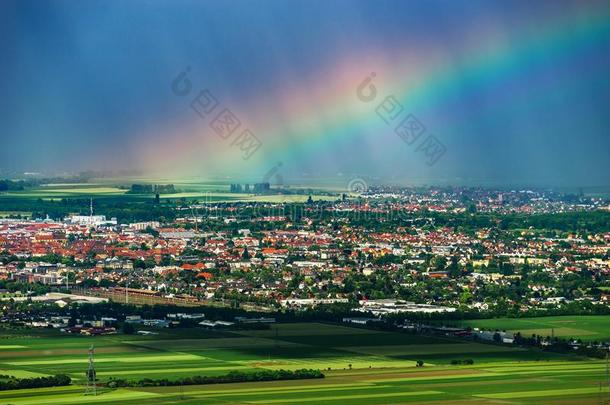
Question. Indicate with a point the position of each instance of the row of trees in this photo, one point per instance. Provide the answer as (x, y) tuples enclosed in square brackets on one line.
[(232, 377), (467, 362), (11, 383)]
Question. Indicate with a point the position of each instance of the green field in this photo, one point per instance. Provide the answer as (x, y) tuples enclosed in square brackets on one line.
[(361, 366), (202, 192), (579, 327), (8, 214)]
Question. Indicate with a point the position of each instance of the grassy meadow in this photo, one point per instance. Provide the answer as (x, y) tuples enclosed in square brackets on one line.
[(361, 366), (588, 328)]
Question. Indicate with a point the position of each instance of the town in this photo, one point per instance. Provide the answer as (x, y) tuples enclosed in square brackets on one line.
[(388, 250)]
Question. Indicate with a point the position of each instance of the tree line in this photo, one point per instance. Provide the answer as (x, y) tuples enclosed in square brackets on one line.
[(8, 382), (232, 377)]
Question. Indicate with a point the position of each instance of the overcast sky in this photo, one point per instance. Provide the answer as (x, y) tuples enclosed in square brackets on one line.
[(516, 91)]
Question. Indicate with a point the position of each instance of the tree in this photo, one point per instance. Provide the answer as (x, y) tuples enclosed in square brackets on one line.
[(128, 328), (454, 268)]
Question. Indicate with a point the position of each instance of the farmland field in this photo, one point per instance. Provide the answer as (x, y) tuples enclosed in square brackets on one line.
[(202, 192), (361, 366), (579, 327)]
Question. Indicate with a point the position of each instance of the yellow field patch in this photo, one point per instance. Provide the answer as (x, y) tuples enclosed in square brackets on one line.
[(544, 393), (341, 363), (524, 367), (22, 373), (294, 390)]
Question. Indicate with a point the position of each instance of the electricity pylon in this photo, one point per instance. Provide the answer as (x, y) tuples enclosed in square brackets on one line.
[(91, 386)]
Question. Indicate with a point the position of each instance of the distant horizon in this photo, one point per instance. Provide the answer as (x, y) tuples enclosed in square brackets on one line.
[(336, 182)]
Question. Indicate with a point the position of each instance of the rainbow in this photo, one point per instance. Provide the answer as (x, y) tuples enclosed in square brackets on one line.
[(310, 120)]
